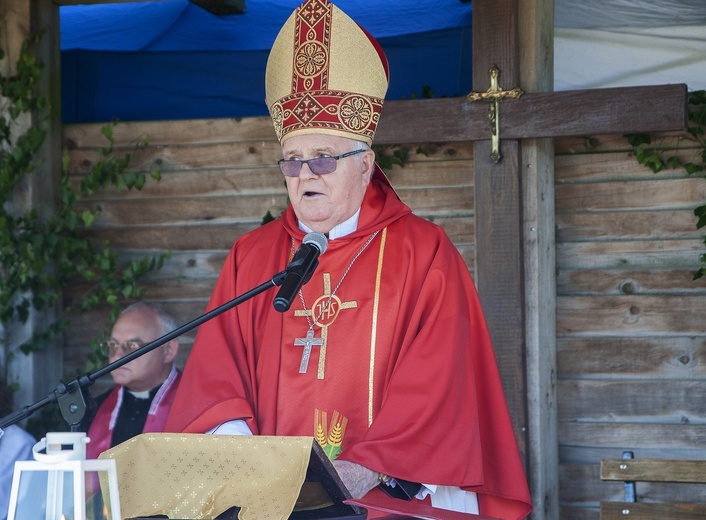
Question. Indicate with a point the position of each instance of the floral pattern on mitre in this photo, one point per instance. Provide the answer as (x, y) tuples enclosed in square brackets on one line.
[(356, 112), (307, 108), (312, 12), (346, 112), (277, 115), (310, 59)]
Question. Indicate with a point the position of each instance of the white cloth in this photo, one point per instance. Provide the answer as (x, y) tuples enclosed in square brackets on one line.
[(16, 444), (234, 427)]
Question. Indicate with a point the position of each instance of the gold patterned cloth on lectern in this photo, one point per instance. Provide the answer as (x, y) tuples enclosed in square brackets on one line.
[(196, 476)]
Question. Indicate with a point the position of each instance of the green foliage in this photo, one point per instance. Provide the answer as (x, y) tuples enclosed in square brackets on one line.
[(387, 156), (40, 255), (658, 159)]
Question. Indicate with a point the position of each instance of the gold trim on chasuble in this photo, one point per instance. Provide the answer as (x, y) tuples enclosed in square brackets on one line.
[(331, 439), (373, 334)]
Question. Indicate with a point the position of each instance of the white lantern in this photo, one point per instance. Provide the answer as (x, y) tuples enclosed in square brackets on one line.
[(60, 484)]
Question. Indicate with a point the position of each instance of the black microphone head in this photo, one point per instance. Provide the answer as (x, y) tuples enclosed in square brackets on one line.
[(317, 240)]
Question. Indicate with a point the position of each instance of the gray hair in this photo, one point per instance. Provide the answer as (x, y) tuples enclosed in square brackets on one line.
[(362, 145), (166, 321)]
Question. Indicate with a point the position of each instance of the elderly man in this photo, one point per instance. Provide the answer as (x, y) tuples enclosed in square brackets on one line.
[(145, 387), (400, 386)]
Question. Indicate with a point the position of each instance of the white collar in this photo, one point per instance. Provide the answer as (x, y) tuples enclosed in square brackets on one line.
[(139, 395), (339, 231)]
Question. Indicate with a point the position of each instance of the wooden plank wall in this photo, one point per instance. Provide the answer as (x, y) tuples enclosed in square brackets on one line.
[(631, 334)]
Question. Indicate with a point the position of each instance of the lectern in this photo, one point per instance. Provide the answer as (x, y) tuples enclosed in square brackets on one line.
[(224, 477)]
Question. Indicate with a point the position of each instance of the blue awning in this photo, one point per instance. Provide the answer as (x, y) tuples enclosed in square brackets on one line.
[(174, 60)]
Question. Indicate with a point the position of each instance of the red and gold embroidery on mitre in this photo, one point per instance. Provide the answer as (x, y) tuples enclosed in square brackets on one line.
[(325, 75)]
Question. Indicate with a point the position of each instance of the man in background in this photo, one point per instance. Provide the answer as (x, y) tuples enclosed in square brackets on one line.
[(145, 387)]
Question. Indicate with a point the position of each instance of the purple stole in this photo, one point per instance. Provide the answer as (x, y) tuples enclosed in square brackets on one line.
[(101, 430)]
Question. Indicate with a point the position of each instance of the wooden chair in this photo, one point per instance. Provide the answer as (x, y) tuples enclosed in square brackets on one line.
[(631, 470)]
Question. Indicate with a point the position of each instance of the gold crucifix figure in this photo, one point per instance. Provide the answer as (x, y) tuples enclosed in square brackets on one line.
[(494, 95)]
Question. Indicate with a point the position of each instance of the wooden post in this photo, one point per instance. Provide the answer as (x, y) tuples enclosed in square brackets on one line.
[(40, 372), (536, 39)]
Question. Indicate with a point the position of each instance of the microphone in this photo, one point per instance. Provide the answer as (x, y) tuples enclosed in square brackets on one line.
[(300, 269)]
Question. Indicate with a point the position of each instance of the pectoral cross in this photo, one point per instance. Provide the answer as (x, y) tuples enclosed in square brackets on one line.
[(327, 307), (308, 342)]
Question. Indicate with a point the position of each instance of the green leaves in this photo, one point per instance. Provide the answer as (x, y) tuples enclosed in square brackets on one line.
[(387, 156), (39, 257), (653, 156)]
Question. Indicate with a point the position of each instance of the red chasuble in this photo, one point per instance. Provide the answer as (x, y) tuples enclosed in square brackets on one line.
[(408, 384)]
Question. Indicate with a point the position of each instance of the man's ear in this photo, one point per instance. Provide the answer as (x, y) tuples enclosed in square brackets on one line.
[(170, 350), (368, 164)]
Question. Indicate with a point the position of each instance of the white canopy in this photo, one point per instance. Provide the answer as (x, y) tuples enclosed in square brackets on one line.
[(611, 43)]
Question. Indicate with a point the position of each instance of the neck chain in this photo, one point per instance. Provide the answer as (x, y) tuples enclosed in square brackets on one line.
[(310, 341), (343, 277)]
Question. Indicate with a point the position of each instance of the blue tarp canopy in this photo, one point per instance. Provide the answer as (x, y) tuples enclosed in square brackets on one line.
[(174, 60)]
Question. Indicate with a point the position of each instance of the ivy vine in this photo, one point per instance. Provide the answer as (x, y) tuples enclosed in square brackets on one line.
[(42, 255), (658, 159)]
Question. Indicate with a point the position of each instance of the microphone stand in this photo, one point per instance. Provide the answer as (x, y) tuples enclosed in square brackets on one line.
[(72, 396)]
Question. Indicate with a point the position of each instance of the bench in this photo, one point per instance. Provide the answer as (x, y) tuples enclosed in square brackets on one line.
[(630, 471)]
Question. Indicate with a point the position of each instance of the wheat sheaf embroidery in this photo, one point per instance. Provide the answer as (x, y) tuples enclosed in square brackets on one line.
[(330, 439)]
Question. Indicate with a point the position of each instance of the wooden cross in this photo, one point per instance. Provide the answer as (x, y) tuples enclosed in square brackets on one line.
[(512, 296), (308, 342)]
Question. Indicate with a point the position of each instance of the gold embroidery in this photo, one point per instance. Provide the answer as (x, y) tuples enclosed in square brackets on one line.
[(277, 118), (307, 109), (310, 59), (355, 112), (326, 318), (327, 109), (312, 12), (373, 335), (320, 427), (331, 440)]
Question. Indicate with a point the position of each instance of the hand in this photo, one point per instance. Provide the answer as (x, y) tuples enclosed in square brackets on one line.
[(357, 479)]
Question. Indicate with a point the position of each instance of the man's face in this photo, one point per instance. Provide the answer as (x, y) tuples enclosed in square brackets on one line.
[(324, 201), (148, 370)]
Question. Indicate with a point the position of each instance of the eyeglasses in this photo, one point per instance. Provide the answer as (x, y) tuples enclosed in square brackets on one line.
[(113, 346), (317, 165)]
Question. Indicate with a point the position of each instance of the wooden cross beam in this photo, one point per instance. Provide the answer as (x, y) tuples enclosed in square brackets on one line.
[(621, 110)]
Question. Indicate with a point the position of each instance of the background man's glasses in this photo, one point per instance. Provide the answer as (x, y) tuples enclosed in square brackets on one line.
[(318, 165), (111, 346)]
